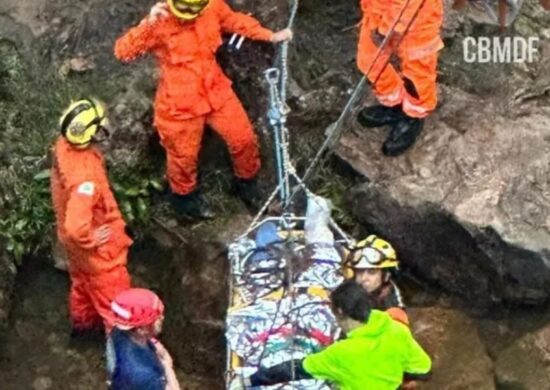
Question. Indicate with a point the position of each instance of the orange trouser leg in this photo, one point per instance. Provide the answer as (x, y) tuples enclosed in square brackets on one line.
[(182, 141), (81, 309), (233, 125), (91, 295), (103, 289), (421, 93), (387, 84)]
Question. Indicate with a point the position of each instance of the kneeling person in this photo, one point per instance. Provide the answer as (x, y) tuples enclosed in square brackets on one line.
[(378, 353)]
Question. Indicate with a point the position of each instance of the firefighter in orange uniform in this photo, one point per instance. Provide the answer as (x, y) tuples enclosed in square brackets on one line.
[(193, 91), (407, 93), (89, 224)]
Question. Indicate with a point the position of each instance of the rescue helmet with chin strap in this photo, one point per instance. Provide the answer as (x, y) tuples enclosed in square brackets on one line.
[(82, 120), (187, 9), (373, 253), (136, 307)]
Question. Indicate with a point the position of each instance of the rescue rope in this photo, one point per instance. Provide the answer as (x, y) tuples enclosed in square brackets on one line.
[(284, 51), (277, 78)]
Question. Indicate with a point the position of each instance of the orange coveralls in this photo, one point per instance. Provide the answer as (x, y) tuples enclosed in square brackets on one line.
[(194, 91), (415, 86), (83, 201)]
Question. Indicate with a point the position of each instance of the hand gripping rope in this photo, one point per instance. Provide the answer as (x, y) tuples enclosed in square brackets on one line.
[(278, 110), (276, 78)]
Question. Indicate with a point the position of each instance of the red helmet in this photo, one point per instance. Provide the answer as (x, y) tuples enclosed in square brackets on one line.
[(136, 307)]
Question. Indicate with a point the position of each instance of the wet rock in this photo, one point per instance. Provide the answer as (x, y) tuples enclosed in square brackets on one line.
[(25, 14), (198, 273), (76, 65), (7, 280), (42, 383), (460, 360), (130, 122), (526, 363), (468, 206)]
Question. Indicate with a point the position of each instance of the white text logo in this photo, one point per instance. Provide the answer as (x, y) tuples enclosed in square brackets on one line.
[(500, 49)]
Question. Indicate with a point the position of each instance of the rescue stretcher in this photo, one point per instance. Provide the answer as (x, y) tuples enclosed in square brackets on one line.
[(279, 298)]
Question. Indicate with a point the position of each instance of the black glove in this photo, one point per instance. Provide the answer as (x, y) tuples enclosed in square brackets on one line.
[(280, 373)]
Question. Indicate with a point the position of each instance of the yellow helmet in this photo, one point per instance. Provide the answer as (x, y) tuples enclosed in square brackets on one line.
[(373, 252), (82, 121), (187, 9)]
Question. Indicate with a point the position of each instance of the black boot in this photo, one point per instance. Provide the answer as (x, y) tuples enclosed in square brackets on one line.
[(192, 205), (379, 115), (402, 136), (247, 190)]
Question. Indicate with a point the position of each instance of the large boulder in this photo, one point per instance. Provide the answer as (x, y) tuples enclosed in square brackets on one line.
[(532, 370), (468, 206)]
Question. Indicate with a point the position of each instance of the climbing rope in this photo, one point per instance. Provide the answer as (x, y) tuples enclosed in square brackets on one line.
[(284, 52), (277, 78)]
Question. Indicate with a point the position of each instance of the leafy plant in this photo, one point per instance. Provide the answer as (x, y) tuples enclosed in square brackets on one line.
[(335, 187), (30, 105), (134, 197), (29, 217)]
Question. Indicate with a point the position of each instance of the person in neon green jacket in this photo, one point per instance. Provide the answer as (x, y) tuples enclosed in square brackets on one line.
[(377, 354)]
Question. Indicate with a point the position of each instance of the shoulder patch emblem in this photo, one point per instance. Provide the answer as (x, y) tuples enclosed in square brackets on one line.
[(86, 188)]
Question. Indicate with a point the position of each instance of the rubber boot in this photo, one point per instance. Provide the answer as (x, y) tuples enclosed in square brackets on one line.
[(402, 135), (192, 205), (379, 115), (247, 190)]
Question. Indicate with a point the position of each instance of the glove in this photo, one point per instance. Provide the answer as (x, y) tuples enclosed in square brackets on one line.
[(159, 10)]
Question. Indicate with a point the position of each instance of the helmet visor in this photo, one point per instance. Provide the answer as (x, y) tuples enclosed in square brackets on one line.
[(371, 258), (368, 257)]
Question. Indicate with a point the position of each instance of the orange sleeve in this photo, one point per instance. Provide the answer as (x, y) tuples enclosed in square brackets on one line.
[(115, 216), (389, 18), (242, 24), (399, 315), (79, 215), (136, 41)]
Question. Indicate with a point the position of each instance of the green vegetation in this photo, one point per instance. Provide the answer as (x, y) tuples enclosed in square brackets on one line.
[(31, 101), (30, 105), (134, 196), (335, 187)]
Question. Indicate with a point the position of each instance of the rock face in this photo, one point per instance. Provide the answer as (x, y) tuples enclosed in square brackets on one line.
[(468, 207), (533, 369), (460, 360), (7, 280)]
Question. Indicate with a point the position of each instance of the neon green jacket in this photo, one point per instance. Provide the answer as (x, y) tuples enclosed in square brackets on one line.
[(372, 357)]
